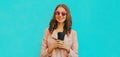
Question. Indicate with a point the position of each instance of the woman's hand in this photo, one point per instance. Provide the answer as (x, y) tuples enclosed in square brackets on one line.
[(62, 45), (59, 44), (50, 49)]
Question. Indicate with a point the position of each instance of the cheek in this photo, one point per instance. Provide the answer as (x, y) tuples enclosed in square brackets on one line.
[(56, 16), (64, 17)]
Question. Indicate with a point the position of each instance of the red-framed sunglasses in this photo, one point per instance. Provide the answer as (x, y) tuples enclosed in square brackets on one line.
[(62, 13)]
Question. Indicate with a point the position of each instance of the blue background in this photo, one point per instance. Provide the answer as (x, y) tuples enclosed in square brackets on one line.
[(23, 22)]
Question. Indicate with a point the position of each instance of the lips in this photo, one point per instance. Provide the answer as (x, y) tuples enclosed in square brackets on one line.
[(60, 19)]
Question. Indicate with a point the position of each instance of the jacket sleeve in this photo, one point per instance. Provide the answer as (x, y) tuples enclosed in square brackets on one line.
[(74, 49), (44, 49)]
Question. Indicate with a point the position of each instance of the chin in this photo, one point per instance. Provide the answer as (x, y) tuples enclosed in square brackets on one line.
[(62, 21)]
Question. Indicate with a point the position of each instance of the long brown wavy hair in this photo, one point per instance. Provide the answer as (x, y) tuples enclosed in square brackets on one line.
[(67, 24)]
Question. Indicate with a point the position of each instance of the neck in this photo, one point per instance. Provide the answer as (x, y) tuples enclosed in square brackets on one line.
[(60, 25)]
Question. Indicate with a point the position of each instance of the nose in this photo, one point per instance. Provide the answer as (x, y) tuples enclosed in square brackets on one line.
[(60, 14)]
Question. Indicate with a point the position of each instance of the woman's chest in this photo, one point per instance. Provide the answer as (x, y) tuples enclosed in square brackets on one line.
[(52, 40)]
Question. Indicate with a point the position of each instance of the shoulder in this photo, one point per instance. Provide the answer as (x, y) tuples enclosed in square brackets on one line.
[(73, 32), (47, 31), (74, 35)]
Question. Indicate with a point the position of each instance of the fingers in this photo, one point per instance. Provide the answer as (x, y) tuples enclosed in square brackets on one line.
[(60, 46), (60, 42)]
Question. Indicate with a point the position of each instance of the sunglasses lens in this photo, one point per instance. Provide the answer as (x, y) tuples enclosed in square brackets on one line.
[(58, 13), (63, 13)]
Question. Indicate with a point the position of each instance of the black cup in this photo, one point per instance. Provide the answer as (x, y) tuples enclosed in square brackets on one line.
[(61, 35)]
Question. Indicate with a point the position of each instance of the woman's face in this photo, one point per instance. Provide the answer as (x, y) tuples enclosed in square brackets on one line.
[(60, 14)]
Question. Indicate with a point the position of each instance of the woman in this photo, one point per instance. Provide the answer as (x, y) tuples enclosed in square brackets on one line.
[(51, 45)]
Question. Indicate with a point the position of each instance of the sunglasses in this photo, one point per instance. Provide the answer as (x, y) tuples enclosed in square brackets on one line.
[(62, 13)]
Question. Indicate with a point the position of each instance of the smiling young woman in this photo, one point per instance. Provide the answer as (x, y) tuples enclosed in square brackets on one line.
[(51, 45)]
